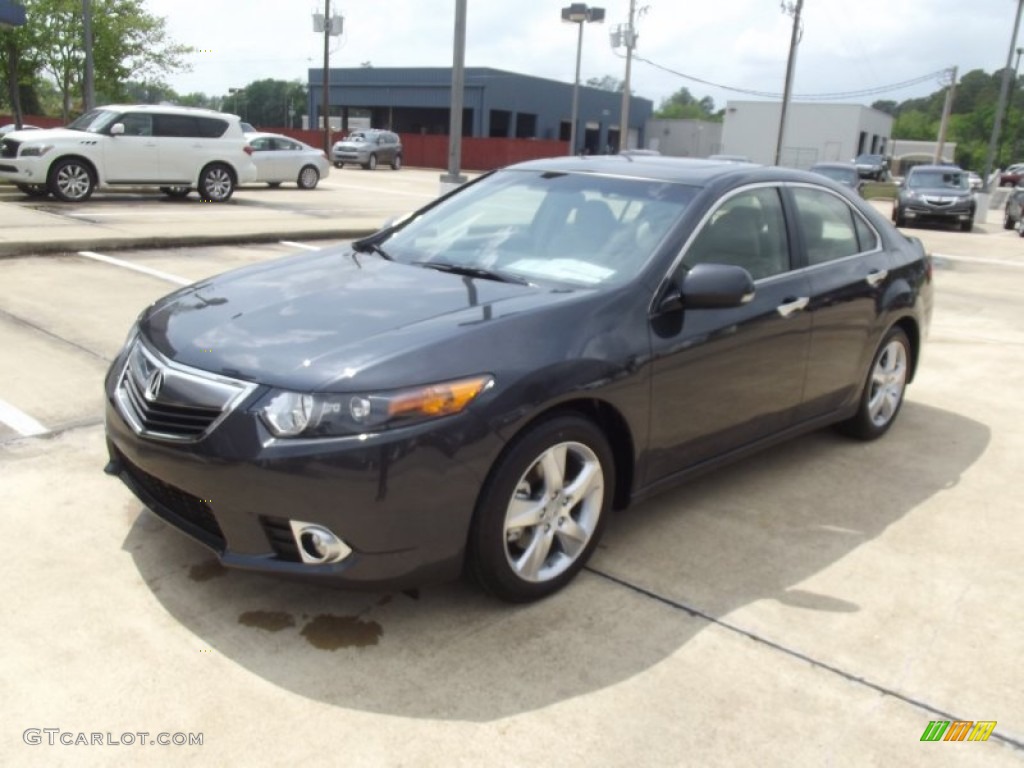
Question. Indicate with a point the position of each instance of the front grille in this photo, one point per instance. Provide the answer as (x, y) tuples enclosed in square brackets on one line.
[(178, 420), (9, 148), (177, 505), (169, 401), (279, 534)]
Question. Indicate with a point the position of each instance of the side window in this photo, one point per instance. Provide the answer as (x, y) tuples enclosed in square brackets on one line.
[(827, 223), (262, 144), (176, 125), (137, 124), (866, 237), (211, 127), (748, 230)]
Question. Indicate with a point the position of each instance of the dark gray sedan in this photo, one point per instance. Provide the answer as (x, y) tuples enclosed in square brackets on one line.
[(477, 387)]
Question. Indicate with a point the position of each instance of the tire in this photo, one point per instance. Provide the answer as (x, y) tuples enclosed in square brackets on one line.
[(884, 389), (1008, 222), (898, 218), (967, 226), (521, 549), (176, 193), (396, 163), (339, 165), (273, 184), (33, 190), (308, 178), (71, 180), (371, 163), (216, 183)]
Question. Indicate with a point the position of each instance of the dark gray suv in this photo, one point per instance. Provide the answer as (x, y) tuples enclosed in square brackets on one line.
[(937, 193), (368, 148)]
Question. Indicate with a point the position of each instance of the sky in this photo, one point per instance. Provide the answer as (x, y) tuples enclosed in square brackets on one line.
[(846, 45)]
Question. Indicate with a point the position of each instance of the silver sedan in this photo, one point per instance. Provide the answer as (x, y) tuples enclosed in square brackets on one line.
[(279, 159)]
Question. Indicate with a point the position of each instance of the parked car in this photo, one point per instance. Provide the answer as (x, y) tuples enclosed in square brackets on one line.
[(841, 173), (935, 193), (248, 127), (1014, 210), (1012, 176), (368, 149), (173, 148), (5, 129), (484, 381), (974, 181), (730, 158), (282, 159), (871, 166)]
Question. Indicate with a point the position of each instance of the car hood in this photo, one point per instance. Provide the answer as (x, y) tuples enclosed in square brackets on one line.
[(939, 191), (338, 321), (350, 143), (50, 134)]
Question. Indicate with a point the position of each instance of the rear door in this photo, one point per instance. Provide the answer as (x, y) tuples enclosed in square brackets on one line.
[(725, 378), (848, 273)]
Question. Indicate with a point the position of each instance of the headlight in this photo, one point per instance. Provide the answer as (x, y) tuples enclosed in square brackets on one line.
[(291, 414), (35, 150)]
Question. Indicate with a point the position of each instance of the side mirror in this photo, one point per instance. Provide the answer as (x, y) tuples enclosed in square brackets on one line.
[(117, 129), (711, 286)]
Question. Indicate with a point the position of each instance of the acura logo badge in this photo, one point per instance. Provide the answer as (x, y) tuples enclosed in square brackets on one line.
[(153, 385)]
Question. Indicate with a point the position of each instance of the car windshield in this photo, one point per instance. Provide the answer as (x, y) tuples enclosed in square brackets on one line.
[(843, 175), (357, 136), (576, 229), (938, 180), (94, 120)]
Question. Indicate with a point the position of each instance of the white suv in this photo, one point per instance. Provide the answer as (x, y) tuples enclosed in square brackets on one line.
[(174, 148)]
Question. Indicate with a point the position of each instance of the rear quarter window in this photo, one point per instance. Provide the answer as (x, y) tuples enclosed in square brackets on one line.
[(211, 127)]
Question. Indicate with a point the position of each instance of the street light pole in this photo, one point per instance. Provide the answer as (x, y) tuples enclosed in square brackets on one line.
[(578, 13), (325, 108), (89, 87), (998, 124), (790, 65), (453, 178), (630, 40), (1009, 103)]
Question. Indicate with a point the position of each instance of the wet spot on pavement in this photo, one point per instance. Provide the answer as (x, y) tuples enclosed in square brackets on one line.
[(329, 633), (271, 621)]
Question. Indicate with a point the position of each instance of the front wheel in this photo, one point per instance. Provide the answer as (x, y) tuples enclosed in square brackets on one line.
[(898, 218), (542, 510), (71, 180), (216, 184), (309, 177), (884, 389), (1007, 220), (967, 226), (371, 163)]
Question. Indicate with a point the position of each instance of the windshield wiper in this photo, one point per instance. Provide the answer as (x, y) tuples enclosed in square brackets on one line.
[(463, 269), (368, 246)]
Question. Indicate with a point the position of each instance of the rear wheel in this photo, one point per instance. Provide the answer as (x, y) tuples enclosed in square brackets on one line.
[(371, 163), (884, 389), (71, 180), (216, 184), (542, 510), (396, 163), (309, 177)]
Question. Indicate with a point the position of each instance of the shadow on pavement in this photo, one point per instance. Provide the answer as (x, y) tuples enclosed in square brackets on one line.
[(751, 531)]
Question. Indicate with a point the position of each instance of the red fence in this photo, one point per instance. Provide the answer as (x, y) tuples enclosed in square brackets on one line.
[(478, 154)]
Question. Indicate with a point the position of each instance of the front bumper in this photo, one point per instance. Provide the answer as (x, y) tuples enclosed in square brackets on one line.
[(402, 500), (924, 210), (24, 170)]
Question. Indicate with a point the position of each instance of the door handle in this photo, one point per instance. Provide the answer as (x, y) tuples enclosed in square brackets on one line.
[(790, 306), (875, 276)]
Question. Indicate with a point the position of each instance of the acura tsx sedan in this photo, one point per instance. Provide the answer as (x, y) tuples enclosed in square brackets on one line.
[(476, 387)]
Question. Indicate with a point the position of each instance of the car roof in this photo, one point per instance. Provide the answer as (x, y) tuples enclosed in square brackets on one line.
[(937, 167), (683, 170), (167, 108), (844, 166)]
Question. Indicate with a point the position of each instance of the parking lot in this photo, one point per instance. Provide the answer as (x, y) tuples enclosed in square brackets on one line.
[(819, 604)]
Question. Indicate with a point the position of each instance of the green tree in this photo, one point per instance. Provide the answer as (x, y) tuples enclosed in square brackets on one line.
[(267, 102), (916, 125), (606, 83), (128, 43), (683, 105)]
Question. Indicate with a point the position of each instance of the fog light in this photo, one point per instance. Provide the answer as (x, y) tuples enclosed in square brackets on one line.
[(317, 544)]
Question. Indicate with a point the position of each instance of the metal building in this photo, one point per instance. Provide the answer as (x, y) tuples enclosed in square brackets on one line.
[(814, 132), (496, 104)]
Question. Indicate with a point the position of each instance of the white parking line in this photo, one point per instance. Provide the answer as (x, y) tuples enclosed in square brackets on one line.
[(19, 421), (972, 260), (293, 244), (136, 267), (380, 190)]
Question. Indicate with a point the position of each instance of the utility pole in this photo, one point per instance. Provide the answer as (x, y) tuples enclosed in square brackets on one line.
[(453, 177), (89, 96), (325, 106), (946, 108), (1002, 102), (790, 65), (630, 41)]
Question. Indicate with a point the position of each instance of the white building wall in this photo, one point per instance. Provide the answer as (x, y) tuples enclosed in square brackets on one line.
[(684, 138), (814, 132)]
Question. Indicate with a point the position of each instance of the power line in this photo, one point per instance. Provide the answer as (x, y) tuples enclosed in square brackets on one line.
[(802, 97)]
